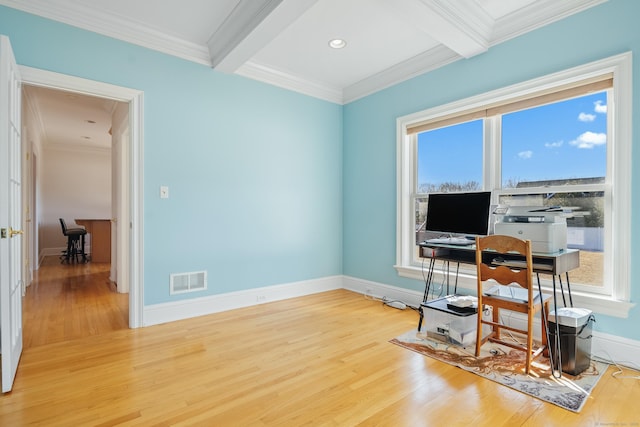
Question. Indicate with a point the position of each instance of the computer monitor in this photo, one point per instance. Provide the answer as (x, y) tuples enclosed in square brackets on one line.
[(459, 213)]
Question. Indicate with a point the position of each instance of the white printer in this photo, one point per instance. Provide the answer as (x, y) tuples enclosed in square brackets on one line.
[(546, 227)]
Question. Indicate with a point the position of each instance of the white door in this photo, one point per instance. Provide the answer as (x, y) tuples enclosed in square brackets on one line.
[(10, 216)]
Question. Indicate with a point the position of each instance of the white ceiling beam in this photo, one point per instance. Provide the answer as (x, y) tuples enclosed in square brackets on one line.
[(463, 26), (249, 28)]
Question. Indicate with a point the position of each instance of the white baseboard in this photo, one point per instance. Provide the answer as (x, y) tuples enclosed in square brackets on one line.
[(51, 251), (45, 252), (168, 312), (379, 290), (607, 347), (615, 349)]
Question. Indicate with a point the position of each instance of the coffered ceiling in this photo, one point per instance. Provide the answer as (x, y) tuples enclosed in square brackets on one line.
[(286, 42)]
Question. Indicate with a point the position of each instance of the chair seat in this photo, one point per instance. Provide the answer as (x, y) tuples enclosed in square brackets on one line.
[(76, 232)]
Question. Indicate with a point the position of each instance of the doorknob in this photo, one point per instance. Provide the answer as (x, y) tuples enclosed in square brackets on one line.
[(13, 232)]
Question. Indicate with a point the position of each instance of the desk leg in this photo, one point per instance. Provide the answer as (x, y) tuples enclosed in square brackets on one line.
[(555, 360), (455, 289), (569, 290), (564, 300), (427, 281), (427, 286)]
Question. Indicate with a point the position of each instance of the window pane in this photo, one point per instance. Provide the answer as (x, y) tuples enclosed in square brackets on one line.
[(420, 218), (585, 231), (557, 144), (450, 158)]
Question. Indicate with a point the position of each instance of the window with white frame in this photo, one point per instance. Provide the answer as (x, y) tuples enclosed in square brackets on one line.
[(563, 139)]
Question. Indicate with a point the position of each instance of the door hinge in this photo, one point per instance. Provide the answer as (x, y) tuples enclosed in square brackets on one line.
[(3, 233)]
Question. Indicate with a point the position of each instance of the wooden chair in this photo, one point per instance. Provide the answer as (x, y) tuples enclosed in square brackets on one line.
[(506, 262)]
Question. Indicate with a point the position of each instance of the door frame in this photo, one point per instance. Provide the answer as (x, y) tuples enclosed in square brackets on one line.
[(132, 176)]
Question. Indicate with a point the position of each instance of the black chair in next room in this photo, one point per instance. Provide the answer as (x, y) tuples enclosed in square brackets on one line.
[(75, 243)]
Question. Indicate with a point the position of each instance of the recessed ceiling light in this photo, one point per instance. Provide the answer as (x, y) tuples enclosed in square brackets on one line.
[(337, 43)]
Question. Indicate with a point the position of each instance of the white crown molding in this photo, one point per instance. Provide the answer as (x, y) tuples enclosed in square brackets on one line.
[(118, 27), (427, 61), (474, 29), (537, 15), (263, 73)]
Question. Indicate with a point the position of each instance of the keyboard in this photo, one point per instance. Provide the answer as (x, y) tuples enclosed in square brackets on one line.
[(458, 241)]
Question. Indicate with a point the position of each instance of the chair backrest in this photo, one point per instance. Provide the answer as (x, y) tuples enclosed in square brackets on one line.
[(505, 259), (64, 226)]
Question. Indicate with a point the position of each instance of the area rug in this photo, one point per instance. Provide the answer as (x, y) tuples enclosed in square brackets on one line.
[(506, 366)]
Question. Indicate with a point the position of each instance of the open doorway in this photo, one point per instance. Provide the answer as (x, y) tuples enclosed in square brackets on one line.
[(77, 180), (126, 132)]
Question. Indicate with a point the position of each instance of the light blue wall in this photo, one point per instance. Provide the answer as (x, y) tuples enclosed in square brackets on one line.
[(268, 186), (370, 139), (254, 171)]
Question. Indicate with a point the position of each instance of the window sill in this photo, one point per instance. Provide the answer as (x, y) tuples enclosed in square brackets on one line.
[(601, 304)]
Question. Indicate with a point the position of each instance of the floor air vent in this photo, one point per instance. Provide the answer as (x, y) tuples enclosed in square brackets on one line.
[(188, 282)]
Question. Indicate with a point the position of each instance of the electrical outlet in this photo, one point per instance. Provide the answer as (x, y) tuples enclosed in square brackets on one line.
[(261, 298)]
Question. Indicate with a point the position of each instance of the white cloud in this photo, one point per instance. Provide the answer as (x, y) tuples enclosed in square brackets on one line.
[(525, 154), (599, 107), (556, 144), (585, 117), (590, 140)]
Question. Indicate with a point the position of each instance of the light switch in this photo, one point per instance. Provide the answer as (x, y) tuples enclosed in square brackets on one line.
[(164, 192)]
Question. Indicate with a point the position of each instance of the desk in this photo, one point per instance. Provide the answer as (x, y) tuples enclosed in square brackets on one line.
[(100, 232), (555, 264)]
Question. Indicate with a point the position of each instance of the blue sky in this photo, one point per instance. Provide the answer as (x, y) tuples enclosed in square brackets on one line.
[(557, 141)]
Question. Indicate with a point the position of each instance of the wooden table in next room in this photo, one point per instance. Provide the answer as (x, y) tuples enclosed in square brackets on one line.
[(100, 232)]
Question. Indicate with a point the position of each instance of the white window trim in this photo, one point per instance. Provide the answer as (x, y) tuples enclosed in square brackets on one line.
[(616, 303)]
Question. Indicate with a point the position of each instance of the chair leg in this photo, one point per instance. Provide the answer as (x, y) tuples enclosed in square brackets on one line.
[(496, 320), (74, 250), (529, 348), (479, 328), (69, 249)]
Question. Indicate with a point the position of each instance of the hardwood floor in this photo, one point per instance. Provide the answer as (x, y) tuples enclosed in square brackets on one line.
[(69, 301), (322, 359)]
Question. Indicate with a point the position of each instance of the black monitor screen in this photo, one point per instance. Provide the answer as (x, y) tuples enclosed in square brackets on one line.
[(459, 213)]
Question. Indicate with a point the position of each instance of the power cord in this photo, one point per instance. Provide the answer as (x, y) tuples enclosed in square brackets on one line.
[(395, 303), (619, 365)]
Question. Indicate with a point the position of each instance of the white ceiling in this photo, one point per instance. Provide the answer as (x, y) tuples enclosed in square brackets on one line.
[(70, 120), (285, 43)]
